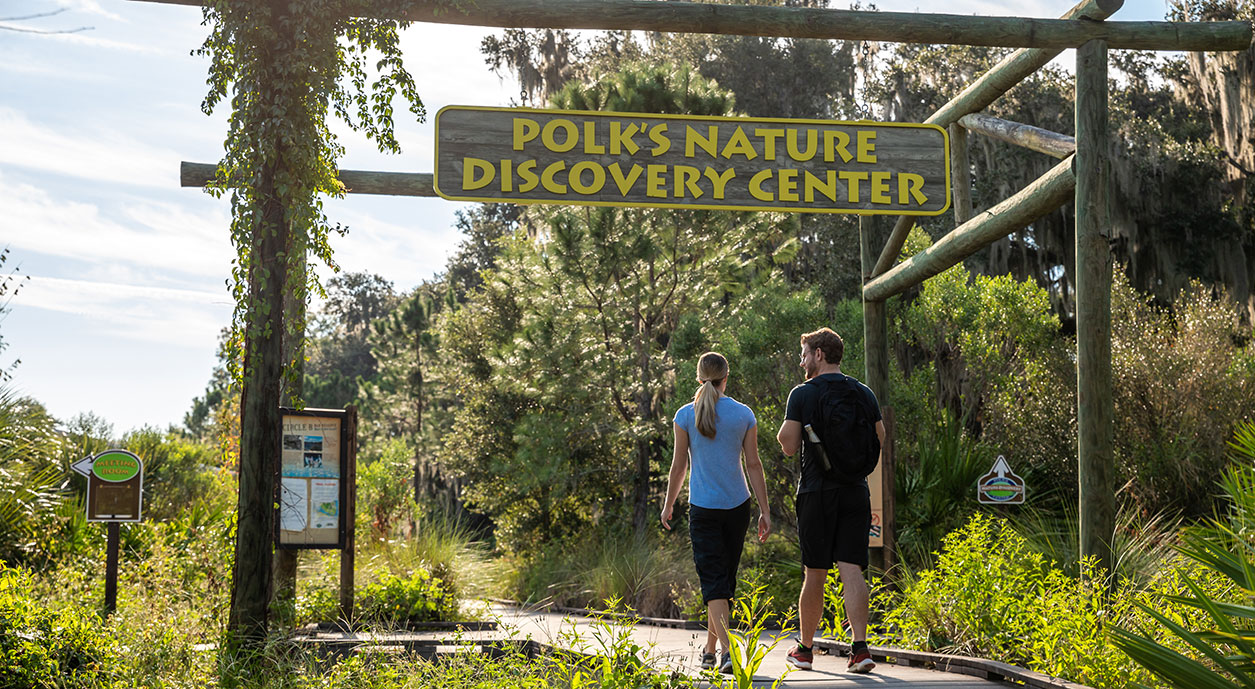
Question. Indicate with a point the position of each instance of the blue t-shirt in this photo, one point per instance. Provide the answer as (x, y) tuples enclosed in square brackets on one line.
[(717, 481)]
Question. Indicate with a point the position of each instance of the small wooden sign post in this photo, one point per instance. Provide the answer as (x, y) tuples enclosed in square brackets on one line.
[(115, 494)]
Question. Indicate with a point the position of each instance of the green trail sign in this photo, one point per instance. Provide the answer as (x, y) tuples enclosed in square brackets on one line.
[(1000, 486), (115, 486)]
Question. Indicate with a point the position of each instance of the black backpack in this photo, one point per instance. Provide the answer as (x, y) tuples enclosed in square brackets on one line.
[(844, 422)]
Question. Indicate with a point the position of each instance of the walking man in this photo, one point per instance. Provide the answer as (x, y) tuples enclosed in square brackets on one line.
[(830, 410)]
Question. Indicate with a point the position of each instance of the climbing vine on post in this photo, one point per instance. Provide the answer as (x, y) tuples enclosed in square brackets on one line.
[(284, 66)]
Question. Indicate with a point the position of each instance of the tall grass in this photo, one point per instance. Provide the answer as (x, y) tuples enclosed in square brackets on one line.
[(934, 490), (1142, 546), (650, 574)]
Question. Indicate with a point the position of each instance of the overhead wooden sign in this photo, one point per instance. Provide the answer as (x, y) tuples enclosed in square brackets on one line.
[(521, 155)]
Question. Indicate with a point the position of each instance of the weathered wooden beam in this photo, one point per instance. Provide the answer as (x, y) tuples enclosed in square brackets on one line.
[(1045, 194), (813, 22), (355, 181), (985, 90), (1025, 135), (876, 377), (960, 175), (1094, 406)]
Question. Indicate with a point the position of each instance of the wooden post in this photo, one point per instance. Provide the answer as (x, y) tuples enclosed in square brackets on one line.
[(1094, 411), (985, 90), (111, 568), (1026, 135), (349, 517), (876, 377), (889, 478), (1047, 193), (960, 176)]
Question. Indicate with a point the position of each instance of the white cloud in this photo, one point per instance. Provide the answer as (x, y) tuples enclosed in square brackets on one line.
[(161, 315), (92, 152), (163, 238)]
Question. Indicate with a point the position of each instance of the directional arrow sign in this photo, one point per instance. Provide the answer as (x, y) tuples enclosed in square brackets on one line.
[(83, 466), (1000, 486)]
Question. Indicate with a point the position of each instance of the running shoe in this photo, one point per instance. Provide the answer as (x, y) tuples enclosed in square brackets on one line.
[(801, 659), (708, 661), (861, 663)]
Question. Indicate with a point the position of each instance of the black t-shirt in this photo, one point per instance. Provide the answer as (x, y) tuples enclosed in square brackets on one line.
[(801, 408)]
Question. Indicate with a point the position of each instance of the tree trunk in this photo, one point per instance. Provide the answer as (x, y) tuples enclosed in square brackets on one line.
[(292, 392), (259, 419)]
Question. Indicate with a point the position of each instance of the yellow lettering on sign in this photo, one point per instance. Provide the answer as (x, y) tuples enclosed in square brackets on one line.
[(658, 134), (880, 187), (591, 147), (547, 181), (470, 168), (709, 143), (837, 141), (812, 145), (719, 180), (625, 182), (911, 183), (769, 136), (827, 187), (524, 130), (507, 175), (739, 144), (686, 177), (852, 180), (654, 181), (866, 146), (570, 131), (788, 185), (527, 170), (622, 138), (756, 186), (576, 179)]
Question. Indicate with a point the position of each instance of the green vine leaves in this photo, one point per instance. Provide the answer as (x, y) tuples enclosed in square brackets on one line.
[(284, 66)]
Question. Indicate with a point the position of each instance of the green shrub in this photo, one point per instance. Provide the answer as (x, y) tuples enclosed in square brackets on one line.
[(1183, 378), (43, 647), (417, 598), (385, 487), (387, 601), (991, 595)]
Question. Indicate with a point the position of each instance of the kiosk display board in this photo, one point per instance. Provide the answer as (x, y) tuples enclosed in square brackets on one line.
[(521, 155), (310, 486)]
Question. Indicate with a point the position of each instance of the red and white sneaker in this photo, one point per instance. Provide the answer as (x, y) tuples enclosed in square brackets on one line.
[(802, 660), (861, 663)]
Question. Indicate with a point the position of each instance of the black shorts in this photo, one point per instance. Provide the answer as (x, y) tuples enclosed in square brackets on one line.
[(833, 526), (718, 537)]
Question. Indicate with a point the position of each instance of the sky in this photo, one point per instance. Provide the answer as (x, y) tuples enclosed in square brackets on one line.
[(128, 271)]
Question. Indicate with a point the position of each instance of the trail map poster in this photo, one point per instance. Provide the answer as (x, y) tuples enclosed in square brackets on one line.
[(310, 491)]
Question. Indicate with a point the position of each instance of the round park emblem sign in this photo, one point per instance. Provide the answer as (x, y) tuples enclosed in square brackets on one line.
[(116, 466)]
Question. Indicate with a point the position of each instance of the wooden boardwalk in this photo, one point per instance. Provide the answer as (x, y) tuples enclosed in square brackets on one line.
[(680, 649), (668, 649)]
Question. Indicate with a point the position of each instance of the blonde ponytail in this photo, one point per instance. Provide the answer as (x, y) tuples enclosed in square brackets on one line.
[(712, 369)]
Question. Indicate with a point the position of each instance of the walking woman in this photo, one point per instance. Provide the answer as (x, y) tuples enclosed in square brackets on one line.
[(712, 431)]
